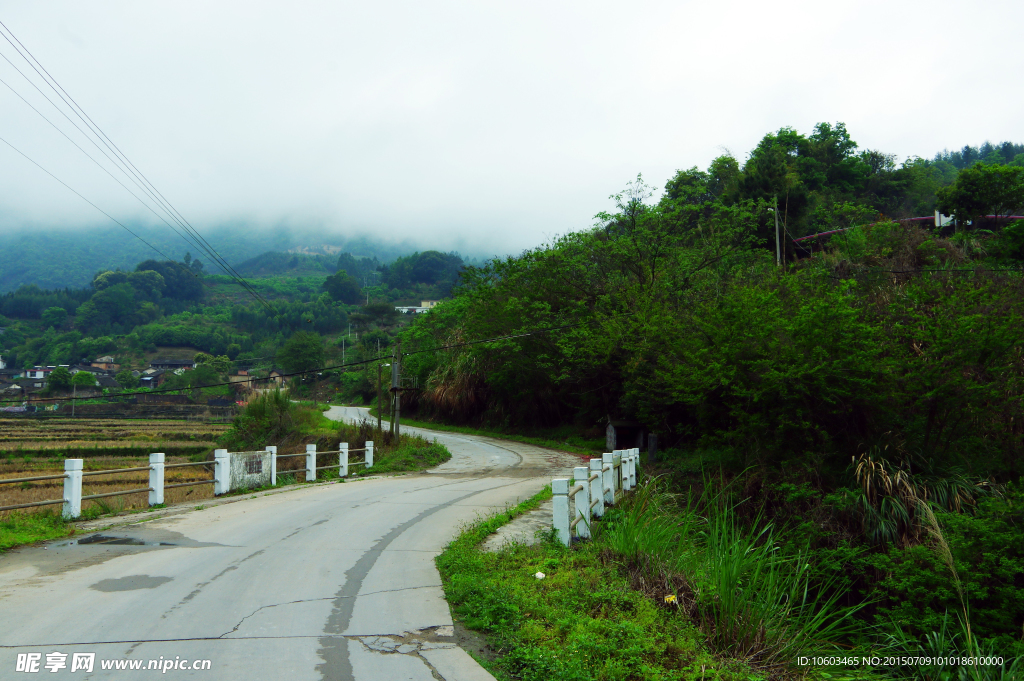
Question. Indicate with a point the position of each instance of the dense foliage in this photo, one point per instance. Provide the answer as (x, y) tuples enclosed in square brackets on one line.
[(677, 317), (868, 396)]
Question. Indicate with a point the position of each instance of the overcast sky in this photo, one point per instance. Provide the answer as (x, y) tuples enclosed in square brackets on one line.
[(485, 126)]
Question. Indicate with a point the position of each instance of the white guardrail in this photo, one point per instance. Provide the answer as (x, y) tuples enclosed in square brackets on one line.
[(231, 471), (597, 486)]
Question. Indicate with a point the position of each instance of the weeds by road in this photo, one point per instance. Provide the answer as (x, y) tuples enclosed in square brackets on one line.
[(582, 620)]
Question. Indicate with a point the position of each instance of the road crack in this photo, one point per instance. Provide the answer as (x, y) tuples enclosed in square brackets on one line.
[(314, 600)]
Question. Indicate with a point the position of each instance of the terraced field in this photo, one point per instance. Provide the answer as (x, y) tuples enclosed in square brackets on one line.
[(30, 447), (70, 438)]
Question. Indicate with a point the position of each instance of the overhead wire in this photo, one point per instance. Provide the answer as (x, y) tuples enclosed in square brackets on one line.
[(98, 165), (122, 162), (33, 162)]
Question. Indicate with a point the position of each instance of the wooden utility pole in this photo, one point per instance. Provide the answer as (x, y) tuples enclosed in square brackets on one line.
[(380, 389), (778, 250), (396, 380)]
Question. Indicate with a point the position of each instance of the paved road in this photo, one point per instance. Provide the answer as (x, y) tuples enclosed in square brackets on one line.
[(333, 581)]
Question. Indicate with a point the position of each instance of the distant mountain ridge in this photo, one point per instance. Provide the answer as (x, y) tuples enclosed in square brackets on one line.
[(56, 259)]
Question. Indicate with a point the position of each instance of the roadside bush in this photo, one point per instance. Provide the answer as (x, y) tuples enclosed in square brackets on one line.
[(988, 553)]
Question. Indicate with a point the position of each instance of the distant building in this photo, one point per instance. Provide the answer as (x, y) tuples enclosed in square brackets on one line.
[(424, 306), (172, 364), (106, 363), (153, 380), (105, 381), (241, 381), (40, 373), (87, 368)]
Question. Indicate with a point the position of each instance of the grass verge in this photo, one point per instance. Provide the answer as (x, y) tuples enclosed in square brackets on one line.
[(583, 620), (26, 528)]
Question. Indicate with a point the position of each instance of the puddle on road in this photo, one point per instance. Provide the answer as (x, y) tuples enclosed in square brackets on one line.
[(130, 583), (72, 554), (120, 541)]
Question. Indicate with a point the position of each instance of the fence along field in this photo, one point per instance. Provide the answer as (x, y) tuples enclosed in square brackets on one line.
[(36, 447)]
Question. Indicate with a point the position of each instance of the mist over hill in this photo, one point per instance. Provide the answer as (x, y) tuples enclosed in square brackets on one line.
[(59, 258)]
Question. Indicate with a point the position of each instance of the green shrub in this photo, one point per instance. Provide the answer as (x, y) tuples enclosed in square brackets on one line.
[(988, 553)]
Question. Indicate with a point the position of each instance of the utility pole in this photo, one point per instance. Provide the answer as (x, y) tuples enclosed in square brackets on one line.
[(380, 389), (778, 250), (396, 379)]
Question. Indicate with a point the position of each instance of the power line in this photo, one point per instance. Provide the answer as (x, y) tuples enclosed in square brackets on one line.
[(87, 155), (83, 198), (122, 162)]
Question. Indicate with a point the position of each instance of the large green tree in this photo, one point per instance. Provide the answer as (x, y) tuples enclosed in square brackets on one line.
[(343, 287), (983, 189), (304, 351), (83, 379), (59, 379), (54, 316)]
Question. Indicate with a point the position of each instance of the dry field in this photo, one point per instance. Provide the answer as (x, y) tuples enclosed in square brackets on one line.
[(31, 447), (43, 490), (86, 438)]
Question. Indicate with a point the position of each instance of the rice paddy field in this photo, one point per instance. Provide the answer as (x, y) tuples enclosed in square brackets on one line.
[(36, 447)]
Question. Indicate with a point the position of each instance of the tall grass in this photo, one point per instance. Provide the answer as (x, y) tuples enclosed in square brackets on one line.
[(948, 641), (753, 599)]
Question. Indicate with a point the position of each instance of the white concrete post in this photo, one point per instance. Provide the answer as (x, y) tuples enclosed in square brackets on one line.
[(369, 454), (607, 478), (221, 472), (621, 480), (72, 488), (630, 477), (597, 487), (581, 473), (310, 463), (156, 479), (273, 463), (343, 460), (560, 503), (617, 457)]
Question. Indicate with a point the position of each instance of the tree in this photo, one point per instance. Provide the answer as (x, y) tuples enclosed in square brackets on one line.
[(343, 287), (148, 282), (180, 280), (59, 379), (54, 316), (380, 313), (83, 379), (126, 379), (304, 351), (221, 363), (983, 189), (109, 278), (202, 376)]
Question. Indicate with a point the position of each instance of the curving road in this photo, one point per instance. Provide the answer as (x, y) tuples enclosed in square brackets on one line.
[(331, 581)]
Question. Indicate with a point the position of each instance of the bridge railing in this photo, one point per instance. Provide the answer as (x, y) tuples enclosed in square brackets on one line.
[(231, 471), (597, 486)]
